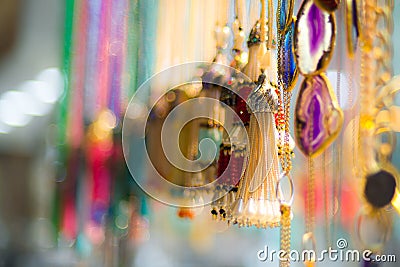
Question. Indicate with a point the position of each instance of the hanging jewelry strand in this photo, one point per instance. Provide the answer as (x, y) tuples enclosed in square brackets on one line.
[(287, 77)]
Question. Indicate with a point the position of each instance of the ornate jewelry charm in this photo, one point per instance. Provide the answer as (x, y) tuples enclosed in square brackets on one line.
[(315, 33), (318, 116)]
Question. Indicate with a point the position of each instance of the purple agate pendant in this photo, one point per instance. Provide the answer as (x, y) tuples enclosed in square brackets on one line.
[(314, 40), (318, 117), (288, 73)]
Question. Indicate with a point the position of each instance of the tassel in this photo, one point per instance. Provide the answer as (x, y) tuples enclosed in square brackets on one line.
[(257, 204)]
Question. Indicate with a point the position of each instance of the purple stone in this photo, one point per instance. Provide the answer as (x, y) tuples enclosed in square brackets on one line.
[(318, 117), (314, 38), (315, 21)]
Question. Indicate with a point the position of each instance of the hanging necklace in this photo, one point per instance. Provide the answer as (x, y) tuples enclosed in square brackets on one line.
[(337, 150), (257, 203), (287, 77), (376, 136), (222, 92), (318, 117), (233, 146), (251, 70)]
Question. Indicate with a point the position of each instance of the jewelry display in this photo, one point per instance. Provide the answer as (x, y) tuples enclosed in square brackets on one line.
[(190, 104)]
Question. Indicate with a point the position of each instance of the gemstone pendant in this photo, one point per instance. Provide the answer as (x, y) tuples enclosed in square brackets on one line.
[(352, 27), (318, 117), (284, 16), (328, 5), (288, 70), (314, 38)]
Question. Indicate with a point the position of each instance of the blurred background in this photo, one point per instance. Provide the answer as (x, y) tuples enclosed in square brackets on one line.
[(67, 71)]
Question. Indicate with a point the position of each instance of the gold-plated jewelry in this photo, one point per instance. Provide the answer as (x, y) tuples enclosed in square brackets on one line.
[(287, 77), (252, 69), (353, 114), (327, 207), (310, 197), (329, 127), (318, 117), (376, 71), (375, 59), (337, 150), (310, 201), (286, 218), (309, 243), (396, 201), (368, 86), (285, 234), (257, 204), (313, 49), (285, 82)]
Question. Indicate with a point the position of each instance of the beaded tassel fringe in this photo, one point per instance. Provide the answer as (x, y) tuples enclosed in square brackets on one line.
[(256, 203)]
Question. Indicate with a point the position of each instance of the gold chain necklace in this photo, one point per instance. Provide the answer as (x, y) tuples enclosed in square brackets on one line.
[(314, 130), (287, 78), (376, 72)]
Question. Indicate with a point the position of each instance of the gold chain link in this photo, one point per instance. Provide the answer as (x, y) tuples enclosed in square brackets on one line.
[(285, 235)]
